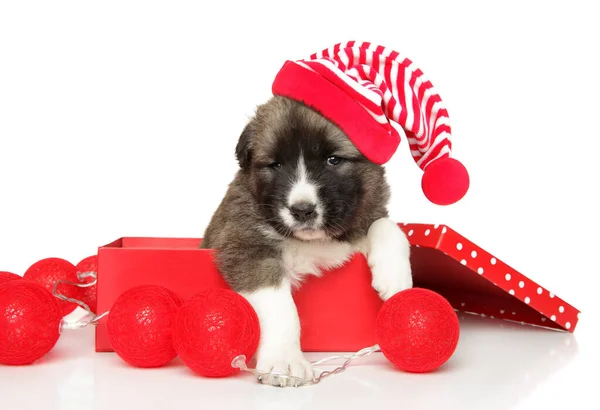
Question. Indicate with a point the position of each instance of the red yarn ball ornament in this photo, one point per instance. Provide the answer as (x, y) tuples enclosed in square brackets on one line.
[(89, 297), (445, 181), (30, 318), (139, 325), (6, 276), (214, 327), (417, 330), (47, 272)]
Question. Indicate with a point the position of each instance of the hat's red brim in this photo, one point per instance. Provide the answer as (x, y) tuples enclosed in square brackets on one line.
[(308, 87)]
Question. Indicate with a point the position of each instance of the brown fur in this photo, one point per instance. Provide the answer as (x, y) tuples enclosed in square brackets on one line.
[(247, 242)]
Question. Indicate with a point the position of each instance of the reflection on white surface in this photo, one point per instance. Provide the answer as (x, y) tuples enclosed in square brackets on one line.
[(496, 365)]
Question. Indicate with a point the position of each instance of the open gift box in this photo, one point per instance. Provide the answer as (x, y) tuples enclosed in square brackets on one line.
[(338, 310)]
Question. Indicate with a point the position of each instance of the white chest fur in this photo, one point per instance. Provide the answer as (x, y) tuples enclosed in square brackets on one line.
[(312, 258)]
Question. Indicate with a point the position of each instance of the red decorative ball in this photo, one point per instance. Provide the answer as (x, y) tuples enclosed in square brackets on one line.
[(214, 327), (445, 181), (6, 276), (29, 322), (47, 271), (139, 325), (417, 330), (89, 264)]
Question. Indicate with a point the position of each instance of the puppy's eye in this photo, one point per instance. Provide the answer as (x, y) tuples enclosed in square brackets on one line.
[(333, 160), (275, 165)]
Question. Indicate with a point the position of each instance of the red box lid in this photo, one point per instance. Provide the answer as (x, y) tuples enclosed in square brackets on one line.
[(475, 281), (338, 310)]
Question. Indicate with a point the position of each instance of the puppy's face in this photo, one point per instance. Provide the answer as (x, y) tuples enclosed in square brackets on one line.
[(307, 177)]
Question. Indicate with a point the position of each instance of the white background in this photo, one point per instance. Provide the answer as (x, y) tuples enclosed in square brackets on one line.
[(120, 118)]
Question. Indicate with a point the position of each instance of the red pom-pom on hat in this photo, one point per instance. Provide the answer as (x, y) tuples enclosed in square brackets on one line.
[(445, 181)]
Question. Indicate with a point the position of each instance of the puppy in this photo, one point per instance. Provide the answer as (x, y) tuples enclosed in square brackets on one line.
[(303, 201)]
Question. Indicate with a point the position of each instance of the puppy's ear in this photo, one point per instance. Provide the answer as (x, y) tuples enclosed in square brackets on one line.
[(243, 150)]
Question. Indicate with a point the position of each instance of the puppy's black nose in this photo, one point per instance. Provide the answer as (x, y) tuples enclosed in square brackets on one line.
[(303, 211)]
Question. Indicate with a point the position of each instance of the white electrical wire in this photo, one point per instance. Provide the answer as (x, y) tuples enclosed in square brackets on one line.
[(90, 318), (279, 379)]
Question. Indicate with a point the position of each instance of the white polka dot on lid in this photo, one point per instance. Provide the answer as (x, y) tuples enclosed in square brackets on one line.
[(474, 254), (568, 325), (561, 309), (539, 291), (436, 226), (480, 271), (463, 262), (521, 284), (493, 261), (553, 318), (459, 246), (444, 229), (551, 295), (507, 276), (501, 311), (543, 319), (512, 291), (527, 300), (427, 232), (410, 232)]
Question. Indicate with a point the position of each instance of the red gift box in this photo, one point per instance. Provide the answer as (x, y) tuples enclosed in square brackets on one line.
[(338, 310)]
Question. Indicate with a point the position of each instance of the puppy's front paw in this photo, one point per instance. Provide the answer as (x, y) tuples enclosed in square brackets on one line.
[(390, 275), (389, 258), (291, 364)]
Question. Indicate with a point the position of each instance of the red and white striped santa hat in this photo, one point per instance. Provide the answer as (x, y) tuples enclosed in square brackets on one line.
[(362, 88)]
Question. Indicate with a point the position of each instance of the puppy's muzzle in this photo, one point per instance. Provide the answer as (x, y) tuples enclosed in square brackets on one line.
[(303, 211)]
